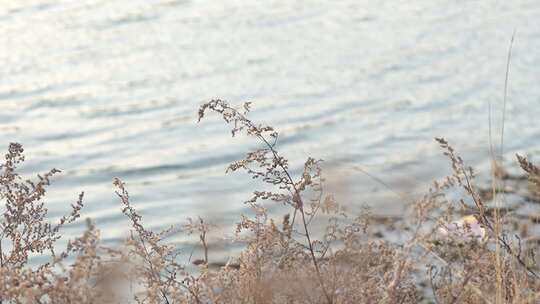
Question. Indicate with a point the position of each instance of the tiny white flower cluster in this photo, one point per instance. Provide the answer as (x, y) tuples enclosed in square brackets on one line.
[(465, 229)]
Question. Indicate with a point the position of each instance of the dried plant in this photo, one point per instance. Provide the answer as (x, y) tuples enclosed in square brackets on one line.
[(496, 266), (532, 171), (291, 246), (454, 247)]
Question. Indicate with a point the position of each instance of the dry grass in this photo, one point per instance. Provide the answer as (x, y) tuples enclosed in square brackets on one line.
[(488, 257)]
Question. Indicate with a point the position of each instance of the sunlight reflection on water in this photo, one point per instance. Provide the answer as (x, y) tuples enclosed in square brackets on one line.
[(110, 88)]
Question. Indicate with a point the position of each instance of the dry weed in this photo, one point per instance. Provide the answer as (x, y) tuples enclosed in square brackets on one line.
[(479, 258)]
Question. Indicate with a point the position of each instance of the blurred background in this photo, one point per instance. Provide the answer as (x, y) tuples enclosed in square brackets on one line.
[(104, 89)]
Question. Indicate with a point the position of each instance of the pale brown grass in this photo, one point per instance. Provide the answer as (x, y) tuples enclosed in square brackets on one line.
[(283, 260)]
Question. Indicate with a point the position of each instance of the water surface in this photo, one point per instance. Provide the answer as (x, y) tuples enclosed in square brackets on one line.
[(104, 89)]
